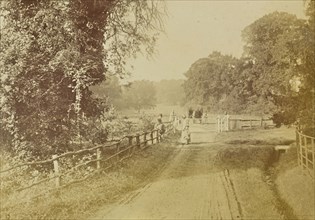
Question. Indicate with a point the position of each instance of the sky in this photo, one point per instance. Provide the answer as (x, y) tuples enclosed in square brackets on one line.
[(195, 28)]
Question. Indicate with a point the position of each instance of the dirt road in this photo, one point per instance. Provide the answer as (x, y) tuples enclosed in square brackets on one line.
[(188, 187)]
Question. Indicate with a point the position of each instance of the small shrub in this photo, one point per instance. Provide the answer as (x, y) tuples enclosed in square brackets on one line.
[(146, 123)]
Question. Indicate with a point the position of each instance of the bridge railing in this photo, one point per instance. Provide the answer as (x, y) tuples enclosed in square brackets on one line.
[(306, 152), (60, 167)]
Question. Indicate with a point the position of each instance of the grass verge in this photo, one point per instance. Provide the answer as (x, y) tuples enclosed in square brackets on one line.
[(79, 201)]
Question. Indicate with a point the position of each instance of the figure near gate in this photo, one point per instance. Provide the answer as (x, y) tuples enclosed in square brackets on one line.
[(185, 135)]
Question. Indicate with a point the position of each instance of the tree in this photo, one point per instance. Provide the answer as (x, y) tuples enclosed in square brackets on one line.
[(307, 69), (270, 42), (275, 76), (282, 48), (209, 80), (53, 51), (140, 95)]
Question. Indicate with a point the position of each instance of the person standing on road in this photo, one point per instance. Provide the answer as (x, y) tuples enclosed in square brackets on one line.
[(205, 118), (194, 116), (172, 116), (160, 127), (185, 136), (176, 124), (226, 118)]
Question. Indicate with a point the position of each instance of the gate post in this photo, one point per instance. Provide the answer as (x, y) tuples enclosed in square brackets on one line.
[(218, 124), (227, 121)]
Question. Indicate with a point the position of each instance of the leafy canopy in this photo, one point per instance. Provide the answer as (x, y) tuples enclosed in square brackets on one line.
[(53, 51), (275, 75)]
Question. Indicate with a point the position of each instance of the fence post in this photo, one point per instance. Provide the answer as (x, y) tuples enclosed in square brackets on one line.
[(222, 124), (130, 143), (300, 149), (151, 137), (129, 140), (56, 170), (250, 123), (219, 124), (297, 145), (227, 126), (223, 120), (156, 134), (157, 137), (98, 157), (138, 140), (261, 122), (145, 138)]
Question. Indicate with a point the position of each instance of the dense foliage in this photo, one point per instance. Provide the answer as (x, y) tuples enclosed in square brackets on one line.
[(52, 52), (209, 79), (275, 75), (282, 47)]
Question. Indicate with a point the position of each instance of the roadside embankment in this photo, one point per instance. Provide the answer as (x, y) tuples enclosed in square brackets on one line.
[(295, 186), (253, 164)]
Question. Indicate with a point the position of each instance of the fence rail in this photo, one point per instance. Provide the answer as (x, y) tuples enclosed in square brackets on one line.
[(226, 123), (103, 157), (306, 152)]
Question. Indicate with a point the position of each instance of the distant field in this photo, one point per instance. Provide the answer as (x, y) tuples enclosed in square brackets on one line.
[(165, 110)]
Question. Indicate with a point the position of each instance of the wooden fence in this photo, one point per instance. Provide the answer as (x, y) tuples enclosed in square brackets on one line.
[(306, 152), (226, 123), (101, 157)]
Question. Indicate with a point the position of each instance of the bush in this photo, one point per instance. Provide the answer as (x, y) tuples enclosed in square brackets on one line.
[(146, 123)]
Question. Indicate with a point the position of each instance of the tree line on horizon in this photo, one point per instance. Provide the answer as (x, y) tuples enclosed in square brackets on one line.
[(140, 94)]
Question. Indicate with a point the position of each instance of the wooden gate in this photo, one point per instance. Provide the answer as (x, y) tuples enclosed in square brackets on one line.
[(305, 151)]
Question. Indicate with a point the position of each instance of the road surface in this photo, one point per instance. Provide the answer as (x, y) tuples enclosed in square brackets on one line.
[(188, 187)]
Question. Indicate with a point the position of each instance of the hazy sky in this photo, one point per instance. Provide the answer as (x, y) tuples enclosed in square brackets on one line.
[(195, 28)]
